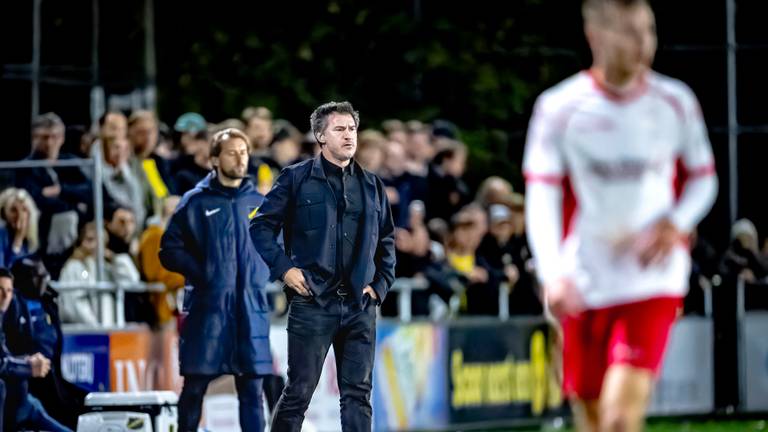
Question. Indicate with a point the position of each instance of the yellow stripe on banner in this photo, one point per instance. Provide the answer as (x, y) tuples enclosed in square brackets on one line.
[(395, 395), (156, 182), (252, 214)]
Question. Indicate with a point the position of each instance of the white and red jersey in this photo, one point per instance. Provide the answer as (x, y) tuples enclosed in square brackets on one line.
[(616, 159)]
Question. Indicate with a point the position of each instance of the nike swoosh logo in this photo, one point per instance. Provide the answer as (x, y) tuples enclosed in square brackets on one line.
[(212, 212)]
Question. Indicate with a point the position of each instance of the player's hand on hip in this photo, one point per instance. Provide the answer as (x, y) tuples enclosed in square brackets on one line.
[(294, 279), (655, 245), (562, 298)]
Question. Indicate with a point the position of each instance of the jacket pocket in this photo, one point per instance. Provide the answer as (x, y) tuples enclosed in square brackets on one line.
[(310, 212)]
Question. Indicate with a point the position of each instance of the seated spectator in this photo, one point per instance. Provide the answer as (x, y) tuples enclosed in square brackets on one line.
[(18, 225), (418, 147), (62, 194), (505, 249), (19, 409), (187, 126), (262, 167), (447, 192), (122, 239), (402, 187), (395, 131), (704, 266), (468, 227), (151, 170), (286, 145), (121, 231), (89, 307), (153, 270), (743, 258), (31, 326), (121, 184), (370, 150), (493, 190), (196, 165), (259, 128)]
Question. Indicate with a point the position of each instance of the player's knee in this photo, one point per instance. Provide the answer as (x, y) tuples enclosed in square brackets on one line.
[(618, 418)]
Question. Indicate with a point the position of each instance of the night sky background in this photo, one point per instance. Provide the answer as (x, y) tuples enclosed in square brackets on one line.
[(479, 64)]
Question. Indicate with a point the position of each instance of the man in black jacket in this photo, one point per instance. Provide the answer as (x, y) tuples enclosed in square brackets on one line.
[(338, 262), (21, 409)]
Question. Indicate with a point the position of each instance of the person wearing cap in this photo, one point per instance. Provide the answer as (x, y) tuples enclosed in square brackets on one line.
[(186, 127), (337, 263), (226, 327), (505, 249)]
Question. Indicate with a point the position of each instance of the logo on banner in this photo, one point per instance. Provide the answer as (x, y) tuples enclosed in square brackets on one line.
[(505, 382), (78, 367)]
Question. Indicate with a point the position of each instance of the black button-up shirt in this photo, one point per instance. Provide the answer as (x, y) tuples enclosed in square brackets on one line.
[(347, 190)]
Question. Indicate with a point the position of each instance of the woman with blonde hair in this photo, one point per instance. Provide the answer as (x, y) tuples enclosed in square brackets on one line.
[(18, 225)]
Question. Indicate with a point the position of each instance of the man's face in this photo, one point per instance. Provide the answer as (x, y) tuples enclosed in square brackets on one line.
[(116, 151), (143, 137), (259, 131), (6, 293), (625, 38), (395, 159), (48, 141), (123, 224), (232, 162), (340, 137), (456, 165), (114, 126), (420, 147)]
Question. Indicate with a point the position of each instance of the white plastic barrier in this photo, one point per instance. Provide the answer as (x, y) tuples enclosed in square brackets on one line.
[(686, 383)]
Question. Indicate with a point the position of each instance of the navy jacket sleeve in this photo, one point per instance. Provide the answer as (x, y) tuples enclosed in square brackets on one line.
[(384, 259), (176, 246), (266, 226), (11, 366)]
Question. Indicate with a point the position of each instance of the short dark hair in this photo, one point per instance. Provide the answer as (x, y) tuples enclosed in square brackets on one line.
[(450, 149), (47, 121), (591, 9), (259, 112), (225, 135), (141, 115), (103, 117), (6, 273), (318, 121)]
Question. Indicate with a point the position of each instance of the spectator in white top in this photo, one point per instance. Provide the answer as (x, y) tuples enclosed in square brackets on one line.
[(85, 306)]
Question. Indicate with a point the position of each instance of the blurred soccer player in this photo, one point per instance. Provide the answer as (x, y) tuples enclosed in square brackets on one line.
[(606, 224)]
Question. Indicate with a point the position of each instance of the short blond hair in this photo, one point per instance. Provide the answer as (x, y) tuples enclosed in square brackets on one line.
[(592, 10)]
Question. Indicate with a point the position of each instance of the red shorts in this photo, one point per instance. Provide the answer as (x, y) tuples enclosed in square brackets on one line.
[(634, 334)]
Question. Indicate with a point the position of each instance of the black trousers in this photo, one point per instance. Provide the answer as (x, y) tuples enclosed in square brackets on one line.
[(312, 329), (248, 393)]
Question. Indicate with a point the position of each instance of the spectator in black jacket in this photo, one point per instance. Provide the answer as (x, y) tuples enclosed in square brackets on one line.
[(32, 325), (20, 408), (63, 194)]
